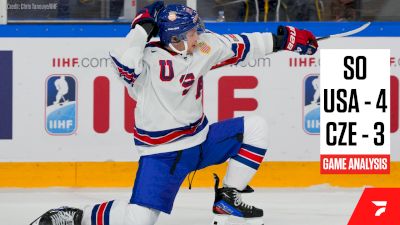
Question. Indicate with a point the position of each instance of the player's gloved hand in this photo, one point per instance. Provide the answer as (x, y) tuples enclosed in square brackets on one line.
[(147, 18), (293, 39)]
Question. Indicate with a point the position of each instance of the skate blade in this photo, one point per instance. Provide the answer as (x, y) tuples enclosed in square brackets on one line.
[(234, 220), (36, 221)]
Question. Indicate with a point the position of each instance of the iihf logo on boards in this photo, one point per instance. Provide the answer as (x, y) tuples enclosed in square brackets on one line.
[(61, 104), (311, 104)]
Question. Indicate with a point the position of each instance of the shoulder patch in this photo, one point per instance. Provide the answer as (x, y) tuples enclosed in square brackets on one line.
[(204, 48)]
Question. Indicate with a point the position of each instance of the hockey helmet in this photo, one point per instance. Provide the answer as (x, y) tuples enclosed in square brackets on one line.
[(175, 20)]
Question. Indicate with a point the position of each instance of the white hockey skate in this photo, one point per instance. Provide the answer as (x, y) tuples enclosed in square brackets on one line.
[(229, 209)]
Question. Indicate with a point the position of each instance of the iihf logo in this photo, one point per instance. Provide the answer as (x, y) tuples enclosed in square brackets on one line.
[(311, 104), (61, 105)]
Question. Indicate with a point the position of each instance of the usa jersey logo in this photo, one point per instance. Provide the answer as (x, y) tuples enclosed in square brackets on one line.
[(61, 105), (311, 104)]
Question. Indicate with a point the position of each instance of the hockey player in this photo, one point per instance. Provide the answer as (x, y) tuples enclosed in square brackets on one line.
[(172, 133), (62, 89)]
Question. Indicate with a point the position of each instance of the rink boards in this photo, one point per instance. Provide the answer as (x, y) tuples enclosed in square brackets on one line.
[(87, 141)]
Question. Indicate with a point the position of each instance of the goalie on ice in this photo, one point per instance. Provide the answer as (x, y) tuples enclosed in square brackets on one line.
[(171, 133)]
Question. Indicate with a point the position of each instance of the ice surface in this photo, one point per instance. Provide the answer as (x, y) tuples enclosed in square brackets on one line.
[(310, 206)]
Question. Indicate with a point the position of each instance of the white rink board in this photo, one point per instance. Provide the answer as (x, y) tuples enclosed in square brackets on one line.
[(279, 94)]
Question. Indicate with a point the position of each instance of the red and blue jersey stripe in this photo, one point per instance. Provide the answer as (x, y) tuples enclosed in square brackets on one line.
[(152, 138), (240, 49), (125, 72), (250, 156), (101, 213)]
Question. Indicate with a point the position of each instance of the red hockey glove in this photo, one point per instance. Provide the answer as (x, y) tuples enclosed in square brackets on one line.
[(301, 41), (147, 18)]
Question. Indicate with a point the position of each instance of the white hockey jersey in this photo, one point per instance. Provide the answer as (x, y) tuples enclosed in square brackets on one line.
[(168, 87)]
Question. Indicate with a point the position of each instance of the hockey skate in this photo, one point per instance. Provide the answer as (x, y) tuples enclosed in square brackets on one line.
[(229, 209), (60, 216)]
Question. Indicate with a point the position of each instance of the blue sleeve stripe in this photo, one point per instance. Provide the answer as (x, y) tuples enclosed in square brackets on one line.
[(246, 46), (127, 73), (235, 49), (125, 68)]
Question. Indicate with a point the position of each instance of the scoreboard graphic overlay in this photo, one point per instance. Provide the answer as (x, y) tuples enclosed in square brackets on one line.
[(355, 111)]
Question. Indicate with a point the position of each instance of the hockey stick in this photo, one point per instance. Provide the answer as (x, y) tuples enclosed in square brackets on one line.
[(345, 34)]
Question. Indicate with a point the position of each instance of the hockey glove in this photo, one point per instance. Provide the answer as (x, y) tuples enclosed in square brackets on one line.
[(147, 18), (293, 39)]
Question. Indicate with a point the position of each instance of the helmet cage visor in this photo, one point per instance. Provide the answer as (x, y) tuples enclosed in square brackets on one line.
[(199, 26)]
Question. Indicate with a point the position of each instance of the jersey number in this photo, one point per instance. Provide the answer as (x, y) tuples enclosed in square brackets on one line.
[(186, 80)]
